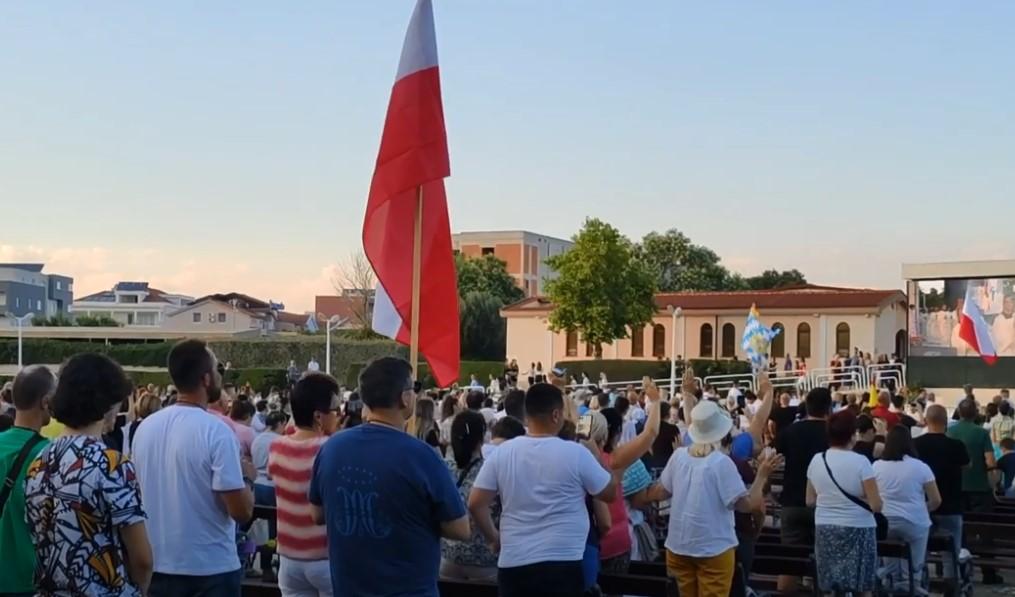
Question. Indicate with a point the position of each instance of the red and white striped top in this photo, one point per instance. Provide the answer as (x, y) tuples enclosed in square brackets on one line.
[(290, 465)]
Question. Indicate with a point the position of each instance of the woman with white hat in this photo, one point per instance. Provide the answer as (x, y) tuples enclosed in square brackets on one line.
[(705, 488)]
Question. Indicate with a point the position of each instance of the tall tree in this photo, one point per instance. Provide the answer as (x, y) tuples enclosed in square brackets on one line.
[(354, 278), (486, 274), (678, 264), (602, 289), (771, 278), (483, 331)]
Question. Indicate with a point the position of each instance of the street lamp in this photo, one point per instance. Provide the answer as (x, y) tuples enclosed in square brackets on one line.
[(674, 314), (20, 321), (330, 325)]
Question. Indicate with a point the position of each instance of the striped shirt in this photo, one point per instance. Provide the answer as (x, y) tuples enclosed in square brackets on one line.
[(290, 465)]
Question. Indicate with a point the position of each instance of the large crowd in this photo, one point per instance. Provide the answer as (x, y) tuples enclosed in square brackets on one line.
[(385, 489)]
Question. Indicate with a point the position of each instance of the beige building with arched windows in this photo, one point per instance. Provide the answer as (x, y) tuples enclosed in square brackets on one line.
[(817, 323)]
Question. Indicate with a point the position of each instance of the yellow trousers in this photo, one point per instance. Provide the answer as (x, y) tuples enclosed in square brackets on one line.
[(702, 577)]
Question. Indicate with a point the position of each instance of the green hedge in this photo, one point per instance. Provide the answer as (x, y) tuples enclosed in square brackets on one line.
[(241, 354), (260, 379), (481, 369), (633, 369)]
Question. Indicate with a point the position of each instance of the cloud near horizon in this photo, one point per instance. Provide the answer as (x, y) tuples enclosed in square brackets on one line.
[(95, 269)]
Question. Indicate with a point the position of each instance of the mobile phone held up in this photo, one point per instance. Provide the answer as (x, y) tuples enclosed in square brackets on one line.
[(584, 427)]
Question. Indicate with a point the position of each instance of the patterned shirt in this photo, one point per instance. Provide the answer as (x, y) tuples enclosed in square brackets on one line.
[(290, 465), (473, 552), (79, 493)]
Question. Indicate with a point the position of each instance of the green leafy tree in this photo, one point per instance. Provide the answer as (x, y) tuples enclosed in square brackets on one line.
[(771, 278), (934, 299), (486, 274), (483, 331), (602, 288), (57, 320), (677, 264)]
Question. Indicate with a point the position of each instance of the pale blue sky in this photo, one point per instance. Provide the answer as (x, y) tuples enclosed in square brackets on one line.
[(212, 148)]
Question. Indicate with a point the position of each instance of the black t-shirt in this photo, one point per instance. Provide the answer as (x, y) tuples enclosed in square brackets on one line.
[(783, 417), (1007, 465), (662, 447), (906, 420), (865, 448), (798, 443), (946, 457)]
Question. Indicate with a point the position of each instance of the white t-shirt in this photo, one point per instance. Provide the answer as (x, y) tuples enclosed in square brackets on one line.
[(259, 452), (628, 432), (705, 491), (542, 483), (833, 508), (900, 483), (183, 456)]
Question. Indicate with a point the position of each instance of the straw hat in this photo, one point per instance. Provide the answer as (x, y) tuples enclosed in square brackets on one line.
[(709, 424)]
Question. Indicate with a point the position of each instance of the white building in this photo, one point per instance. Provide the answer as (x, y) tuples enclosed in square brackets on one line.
[(131, 304)]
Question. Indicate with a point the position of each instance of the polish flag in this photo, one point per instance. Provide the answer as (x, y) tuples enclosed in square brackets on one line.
[(974, 330), (413, 155)]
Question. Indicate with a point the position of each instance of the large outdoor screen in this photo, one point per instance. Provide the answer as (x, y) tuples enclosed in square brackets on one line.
[(934, 324)]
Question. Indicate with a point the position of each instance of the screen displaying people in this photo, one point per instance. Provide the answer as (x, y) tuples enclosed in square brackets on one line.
[(935, 324)]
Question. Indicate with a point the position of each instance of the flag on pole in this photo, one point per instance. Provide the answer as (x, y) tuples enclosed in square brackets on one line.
[(757, 339), (974, 330), (312, 324), (413, 157)]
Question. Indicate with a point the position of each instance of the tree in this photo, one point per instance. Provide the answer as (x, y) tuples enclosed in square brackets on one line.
[(934, 300), (602, 288), (483, 331), (677, 264), (486, 274), (96, 321), (771, 278), (58, 320), (355, 279)]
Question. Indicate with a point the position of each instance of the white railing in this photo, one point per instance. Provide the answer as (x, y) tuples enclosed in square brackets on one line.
[(725, 382), (796, 378), (876, 374)]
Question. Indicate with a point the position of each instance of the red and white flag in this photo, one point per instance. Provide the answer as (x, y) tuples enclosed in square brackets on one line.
[(414, 154), (974, 329)]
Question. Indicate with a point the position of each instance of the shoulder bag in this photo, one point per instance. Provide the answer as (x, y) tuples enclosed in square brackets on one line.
[(879, 518), (15, 470)]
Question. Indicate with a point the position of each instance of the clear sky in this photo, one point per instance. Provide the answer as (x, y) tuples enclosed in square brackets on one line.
[(230, 146)]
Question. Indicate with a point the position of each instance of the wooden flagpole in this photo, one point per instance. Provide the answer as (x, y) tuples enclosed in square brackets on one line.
[(417, 259)]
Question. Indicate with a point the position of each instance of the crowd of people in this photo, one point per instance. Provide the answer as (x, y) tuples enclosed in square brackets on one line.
[(386, 489)]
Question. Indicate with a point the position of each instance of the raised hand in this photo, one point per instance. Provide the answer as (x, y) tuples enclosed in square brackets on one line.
[(688, 384)]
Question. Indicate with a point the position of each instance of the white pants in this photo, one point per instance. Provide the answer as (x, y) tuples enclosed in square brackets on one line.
[(304, 578)]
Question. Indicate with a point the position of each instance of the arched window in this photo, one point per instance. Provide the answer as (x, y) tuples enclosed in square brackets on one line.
[(705, 340), (842, 338), (729, 340), (803, 341), (901, 346), (778, 348), (572, 344), (638, 341), (658, 340)]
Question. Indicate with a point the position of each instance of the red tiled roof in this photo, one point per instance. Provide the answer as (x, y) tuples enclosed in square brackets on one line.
[(797, 297), (298, 319)]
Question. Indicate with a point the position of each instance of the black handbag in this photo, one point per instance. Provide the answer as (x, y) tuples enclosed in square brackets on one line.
[(879, 519)]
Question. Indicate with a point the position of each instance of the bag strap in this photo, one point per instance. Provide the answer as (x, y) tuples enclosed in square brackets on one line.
[(848, 495), (15, 470)]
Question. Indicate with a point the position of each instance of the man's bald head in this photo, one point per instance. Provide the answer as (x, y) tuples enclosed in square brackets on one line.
[(33, 385), (936, 416)]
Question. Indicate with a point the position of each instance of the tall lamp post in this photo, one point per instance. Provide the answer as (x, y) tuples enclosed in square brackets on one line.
[(674, 314), (330, 325), (20, 321)]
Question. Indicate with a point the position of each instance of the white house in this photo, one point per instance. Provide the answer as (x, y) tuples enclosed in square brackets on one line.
[(131, 304)]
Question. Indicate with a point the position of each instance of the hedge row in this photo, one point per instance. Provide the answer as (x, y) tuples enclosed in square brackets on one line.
[(260, 353), (260, 379), (481, 369), (632, 369)]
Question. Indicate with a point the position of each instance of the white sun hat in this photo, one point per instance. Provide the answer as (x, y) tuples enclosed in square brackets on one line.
[(709, 424)]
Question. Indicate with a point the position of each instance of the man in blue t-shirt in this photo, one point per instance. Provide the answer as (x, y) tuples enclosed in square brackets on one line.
[(385, 496)]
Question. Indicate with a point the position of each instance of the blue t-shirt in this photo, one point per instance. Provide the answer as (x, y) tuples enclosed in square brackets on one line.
[(384, 495)]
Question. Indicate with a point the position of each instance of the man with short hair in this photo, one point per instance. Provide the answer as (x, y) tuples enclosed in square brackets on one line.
[(474, 400), (542, 482), (799, 442), (946, 457), (385, 496), (514, 405), (977, 492), (195, 486), (30, 393)]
